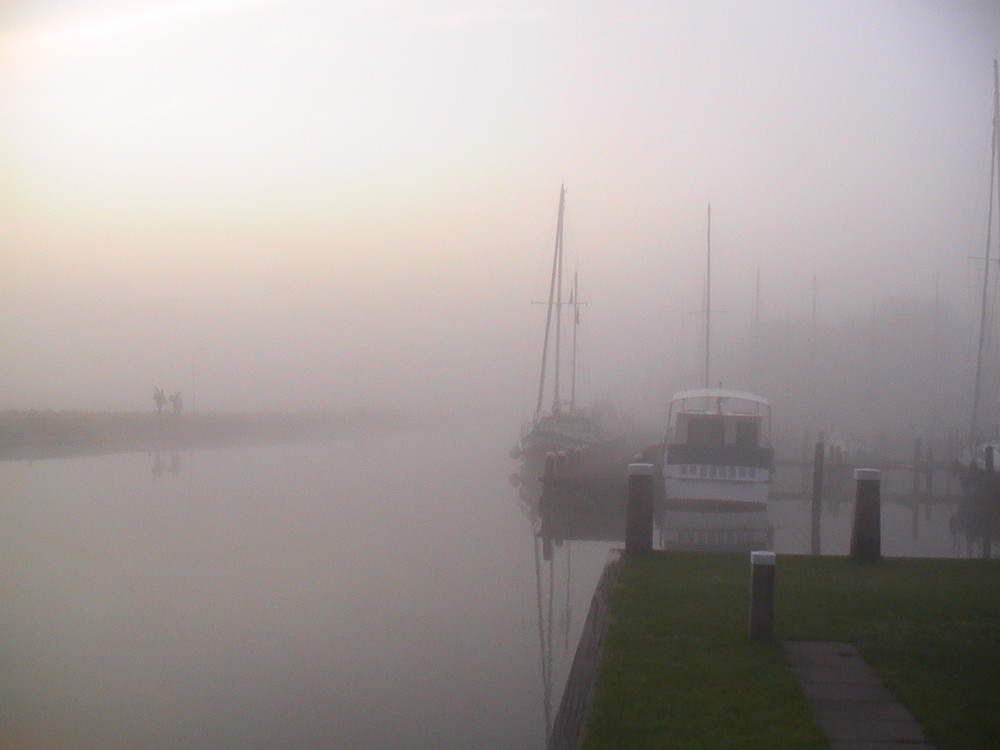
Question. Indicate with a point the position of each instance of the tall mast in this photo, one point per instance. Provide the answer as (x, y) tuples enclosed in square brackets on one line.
[(574, 301), (986, 266), (556, 405), (708, 302), (556, 267), (755, 337)]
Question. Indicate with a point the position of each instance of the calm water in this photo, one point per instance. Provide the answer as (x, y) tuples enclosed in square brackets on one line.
[(387, 594), (346, 595)]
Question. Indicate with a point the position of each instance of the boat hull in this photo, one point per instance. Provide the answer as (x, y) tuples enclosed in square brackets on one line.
[(707, 491)]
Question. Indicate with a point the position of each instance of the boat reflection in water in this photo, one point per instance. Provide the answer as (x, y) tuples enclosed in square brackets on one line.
[(570, 512), (563, 511), (681, 527), (573, 525), (977, 519)]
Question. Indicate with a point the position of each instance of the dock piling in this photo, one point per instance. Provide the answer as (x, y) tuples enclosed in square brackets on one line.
[(639, 522), (866, 532), (762, 564), (817, 495)]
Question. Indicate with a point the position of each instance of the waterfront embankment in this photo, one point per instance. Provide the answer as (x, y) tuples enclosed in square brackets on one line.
[(679, 670), (27, 435)]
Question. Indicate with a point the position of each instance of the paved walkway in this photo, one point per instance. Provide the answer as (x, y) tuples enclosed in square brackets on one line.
[(854, 708)]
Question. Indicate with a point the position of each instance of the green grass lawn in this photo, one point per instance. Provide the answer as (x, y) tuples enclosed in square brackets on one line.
[(679, 670)]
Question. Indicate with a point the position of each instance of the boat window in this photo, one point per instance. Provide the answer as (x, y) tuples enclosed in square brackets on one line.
[(746, 434), (706, 431)]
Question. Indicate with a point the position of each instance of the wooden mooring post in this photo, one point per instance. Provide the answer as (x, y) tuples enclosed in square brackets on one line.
[(817, 495), (761, 595), (866, 532), (639, 522)]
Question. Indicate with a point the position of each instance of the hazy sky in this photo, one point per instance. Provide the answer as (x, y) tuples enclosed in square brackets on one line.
[(331, 204)]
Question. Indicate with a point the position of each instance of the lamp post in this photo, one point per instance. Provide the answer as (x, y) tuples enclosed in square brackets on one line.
[(194, 378)]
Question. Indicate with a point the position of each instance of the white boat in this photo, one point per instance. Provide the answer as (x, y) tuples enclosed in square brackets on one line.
[(717, 451), (979, 470)]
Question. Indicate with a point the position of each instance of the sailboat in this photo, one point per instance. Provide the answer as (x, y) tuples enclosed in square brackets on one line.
[(575, 441), (717, 452), (978, 467)]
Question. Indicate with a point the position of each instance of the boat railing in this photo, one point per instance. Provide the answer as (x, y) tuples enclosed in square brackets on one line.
[(683, 453)]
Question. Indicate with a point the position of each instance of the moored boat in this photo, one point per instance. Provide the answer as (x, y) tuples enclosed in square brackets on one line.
[(587, 443), (979, 471), (717, 451)]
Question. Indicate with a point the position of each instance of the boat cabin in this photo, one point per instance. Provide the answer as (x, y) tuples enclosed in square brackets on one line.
[(718, 426)]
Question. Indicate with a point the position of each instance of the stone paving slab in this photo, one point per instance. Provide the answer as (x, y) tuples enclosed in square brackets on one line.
[(854, 708), (838, 710), (877, 730)]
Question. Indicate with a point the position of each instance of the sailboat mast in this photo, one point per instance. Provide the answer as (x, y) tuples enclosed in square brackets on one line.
[(575, 304), (556, 404), (994, 194), (548, 313), (708, 301), (755, 338)]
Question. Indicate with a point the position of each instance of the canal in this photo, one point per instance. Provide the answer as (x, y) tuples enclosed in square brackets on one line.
[(385, 592)]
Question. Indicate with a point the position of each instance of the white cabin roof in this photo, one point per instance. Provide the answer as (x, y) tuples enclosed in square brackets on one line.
[(720, 393)]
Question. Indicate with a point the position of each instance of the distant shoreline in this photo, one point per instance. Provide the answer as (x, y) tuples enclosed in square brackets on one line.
[(32, 435)]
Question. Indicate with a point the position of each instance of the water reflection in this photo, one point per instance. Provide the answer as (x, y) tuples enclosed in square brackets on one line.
[(976, 522), (306, 596), (171, 465), (570, 523), (684, 528)]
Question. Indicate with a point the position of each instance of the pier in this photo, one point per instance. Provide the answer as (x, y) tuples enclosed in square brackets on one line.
[(679, 670), (843, 652)]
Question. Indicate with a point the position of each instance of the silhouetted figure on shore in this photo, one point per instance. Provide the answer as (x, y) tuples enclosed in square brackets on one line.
[(159, 398), (175, 400)]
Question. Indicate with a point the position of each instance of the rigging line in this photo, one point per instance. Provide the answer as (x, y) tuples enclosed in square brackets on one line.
[(548, 313), (974, 429), (556, 403), (708, 300)]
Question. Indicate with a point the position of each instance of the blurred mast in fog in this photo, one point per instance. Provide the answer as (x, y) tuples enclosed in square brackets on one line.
[(708, 301), (574, 301), (977, 391), (555, 301), (194, 378), (755, 337)]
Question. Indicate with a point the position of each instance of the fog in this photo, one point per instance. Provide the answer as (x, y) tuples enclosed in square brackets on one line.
[(313, 205)]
